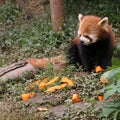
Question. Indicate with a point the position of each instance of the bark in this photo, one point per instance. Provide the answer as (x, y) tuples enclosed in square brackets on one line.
[(57, 14)]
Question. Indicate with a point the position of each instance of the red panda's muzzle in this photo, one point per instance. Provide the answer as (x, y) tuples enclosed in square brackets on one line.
[(88, 39), (85, 40)]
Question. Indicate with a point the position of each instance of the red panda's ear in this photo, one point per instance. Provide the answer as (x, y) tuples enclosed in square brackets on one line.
[(80, 16), (103, 23)]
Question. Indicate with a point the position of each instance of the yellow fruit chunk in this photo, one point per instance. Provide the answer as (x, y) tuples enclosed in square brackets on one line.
[(52, 81), (33, 84), (67, 81), (45, 79), (42, 85), (57, 87)]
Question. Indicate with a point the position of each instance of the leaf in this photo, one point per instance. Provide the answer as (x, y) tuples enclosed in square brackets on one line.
[(117, 75), (112, 104), (109, 93), (115, 62), (107, 111), (116, 115), (110, 108), (110, 90), (118, 82), (110, 74), (42, 108)]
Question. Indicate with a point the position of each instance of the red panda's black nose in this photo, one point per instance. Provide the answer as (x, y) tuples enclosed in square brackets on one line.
[(82, 42)]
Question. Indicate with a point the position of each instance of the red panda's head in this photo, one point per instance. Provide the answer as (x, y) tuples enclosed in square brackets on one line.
[(92, 28)]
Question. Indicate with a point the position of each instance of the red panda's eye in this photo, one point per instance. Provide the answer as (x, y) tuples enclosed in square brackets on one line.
[(86, 36)]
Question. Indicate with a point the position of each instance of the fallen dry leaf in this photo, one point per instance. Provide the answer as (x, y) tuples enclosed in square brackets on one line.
[(40, 108)]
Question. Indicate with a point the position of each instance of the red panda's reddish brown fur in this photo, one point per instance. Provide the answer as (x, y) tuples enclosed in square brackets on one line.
[(94, 43)]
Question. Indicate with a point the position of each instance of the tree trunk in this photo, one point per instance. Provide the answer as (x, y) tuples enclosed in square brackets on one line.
[(57, 14)]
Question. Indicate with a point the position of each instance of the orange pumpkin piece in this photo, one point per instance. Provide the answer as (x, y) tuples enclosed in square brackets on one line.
[(75, 98), (27, 96), (33, 84), (57, 87), (98, 69), (45, 79), (32, 94), (42, 85), (105, 80), (36, 82), (52, 81), (100, 97), (67, 81)]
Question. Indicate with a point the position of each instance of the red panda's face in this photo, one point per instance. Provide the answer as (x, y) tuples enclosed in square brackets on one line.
[(91, 28)]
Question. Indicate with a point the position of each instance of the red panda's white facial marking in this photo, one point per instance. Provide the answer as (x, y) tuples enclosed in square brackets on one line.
[(88, 39)]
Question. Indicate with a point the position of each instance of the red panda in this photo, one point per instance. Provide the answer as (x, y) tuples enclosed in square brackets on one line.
[(93, 45)]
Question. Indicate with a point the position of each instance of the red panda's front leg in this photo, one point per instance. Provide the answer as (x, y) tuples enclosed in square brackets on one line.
[(73, 52), (77, 54), (84, 57)]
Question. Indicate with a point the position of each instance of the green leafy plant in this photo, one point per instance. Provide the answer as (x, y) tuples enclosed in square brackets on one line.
[(111, 89), (111, 110), (8, 12), (117, 50), (111, 106)]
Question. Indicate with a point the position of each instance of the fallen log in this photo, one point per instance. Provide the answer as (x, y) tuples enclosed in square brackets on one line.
[(28, 68)]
